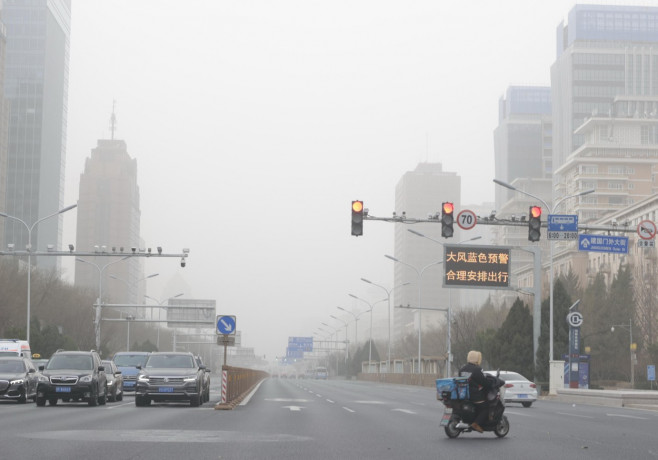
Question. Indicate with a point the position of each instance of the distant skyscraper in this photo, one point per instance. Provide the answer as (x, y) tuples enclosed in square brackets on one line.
[(523, 138), (602, 52), (36, 88), (109, 220), (420, 193), (4, 119)]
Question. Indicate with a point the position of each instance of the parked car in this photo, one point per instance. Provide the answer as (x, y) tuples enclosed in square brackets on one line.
[(72, 376), (18, 379), (206, 380), (127, 362), (518, 389), (170, 376), (114, 381)]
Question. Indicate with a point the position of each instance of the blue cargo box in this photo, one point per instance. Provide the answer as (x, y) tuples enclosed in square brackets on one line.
[(454, 388)]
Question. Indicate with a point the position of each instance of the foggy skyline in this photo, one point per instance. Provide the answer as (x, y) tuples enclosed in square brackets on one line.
[(254, 126)]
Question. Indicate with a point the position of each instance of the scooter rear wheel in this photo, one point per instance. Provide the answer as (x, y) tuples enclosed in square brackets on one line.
[(502, 428), (451, 428)]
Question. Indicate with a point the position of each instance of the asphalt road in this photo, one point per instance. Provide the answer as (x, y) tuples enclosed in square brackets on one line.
[(309, 419)]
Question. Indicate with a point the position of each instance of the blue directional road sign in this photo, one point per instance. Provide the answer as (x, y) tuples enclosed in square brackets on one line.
[(562, 227), (226, 324), (651, 372), (603, 243), (300, 343)]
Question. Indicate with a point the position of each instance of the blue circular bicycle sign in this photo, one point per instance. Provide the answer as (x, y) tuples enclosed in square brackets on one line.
[(226, 324)]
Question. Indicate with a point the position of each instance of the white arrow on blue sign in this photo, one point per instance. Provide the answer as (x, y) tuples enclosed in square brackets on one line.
[(226, 324)]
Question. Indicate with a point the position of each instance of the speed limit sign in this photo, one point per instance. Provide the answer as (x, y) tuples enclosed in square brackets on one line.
[(466, 219)]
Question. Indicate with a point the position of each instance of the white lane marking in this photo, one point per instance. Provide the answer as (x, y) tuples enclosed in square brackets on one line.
[(348, 409), (294, 408), (330, 401), (518, 413), (119, 405), (370, 402), (319, 396), (574, 415), (406, 411), (627, 416), (253, 392), (287, 400)]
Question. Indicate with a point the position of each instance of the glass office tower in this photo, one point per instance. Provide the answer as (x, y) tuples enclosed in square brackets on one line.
[(36, 89)]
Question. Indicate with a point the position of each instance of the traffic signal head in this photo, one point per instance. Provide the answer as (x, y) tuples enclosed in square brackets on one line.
[(447, 219), (534, 223), (357, 218)]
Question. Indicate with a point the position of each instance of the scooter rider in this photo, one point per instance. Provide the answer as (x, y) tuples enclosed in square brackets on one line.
[(478, 386)]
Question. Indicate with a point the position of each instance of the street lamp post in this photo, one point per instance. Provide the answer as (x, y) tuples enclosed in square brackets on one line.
[(29, 255), (157, 340), (388, 298), (449, 310), (420, 275), (551, 247), (372, 306), (629, 328), (97, 321), (128, 285), (347, 353), (356, 324), (129, 319)]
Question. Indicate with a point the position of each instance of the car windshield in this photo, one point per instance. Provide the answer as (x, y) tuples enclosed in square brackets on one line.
[(77, 362), (8, 353), (130, 360), (108, 366), (511, 376), (170, 361), (11, 367)]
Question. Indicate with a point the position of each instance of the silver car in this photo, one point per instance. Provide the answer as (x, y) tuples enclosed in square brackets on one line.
[(517, 389)]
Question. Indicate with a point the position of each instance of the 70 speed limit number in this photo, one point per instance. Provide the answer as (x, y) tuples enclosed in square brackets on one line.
[(466, 219)]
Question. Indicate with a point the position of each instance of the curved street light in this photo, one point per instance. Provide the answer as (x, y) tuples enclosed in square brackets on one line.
[(551, 247), (420, 275), (388, 297), (97, 321), (157, 340), (29, 255), (449, 310)]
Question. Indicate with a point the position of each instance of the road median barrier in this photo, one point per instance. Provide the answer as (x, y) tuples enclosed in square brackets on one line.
[(237, 382)]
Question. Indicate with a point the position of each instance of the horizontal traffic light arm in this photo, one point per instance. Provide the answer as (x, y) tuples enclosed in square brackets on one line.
[(502, 221)]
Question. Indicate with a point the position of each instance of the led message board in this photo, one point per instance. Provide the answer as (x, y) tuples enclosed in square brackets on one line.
[(476, 267)]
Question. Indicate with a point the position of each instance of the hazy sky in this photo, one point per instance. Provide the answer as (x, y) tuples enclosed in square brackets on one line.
[(256, 123)]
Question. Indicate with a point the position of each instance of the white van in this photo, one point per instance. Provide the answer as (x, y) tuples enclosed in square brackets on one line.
[(15, 347)]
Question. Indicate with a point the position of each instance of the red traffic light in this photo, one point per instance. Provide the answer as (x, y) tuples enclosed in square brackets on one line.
[(535, 211), (448, 208)]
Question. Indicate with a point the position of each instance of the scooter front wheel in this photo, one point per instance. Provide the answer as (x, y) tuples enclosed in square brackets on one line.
[(502, 428), (451, 428)]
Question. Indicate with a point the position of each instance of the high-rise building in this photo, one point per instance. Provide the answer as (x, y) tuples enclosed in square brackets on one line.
[(109, 221), (603, 52), (419, 194), (523, 137), (4, 119), (36, 88)]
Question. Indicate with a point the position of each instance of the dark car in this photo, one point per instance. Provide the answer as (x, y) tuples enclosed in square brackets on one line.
[(73, 376), (114, 381), (206, 381), (170, 376), (18, 379), (127, 362)]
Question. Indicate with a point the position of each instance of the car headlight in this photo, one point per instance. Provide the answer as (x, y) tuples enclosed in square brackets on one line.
[(43, 378), (110, 381), (86, 378), (143, 378), (17, 382), (191, 378)]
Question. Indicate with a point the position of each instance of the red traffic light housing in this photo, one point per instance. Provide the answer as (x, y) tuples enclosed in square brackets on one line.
[(447, 219), (534, 223), (357, 218)]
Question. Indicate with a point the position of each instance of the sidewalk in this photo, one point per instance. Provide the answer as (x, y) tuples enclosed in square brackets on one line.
[(636, 399)]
